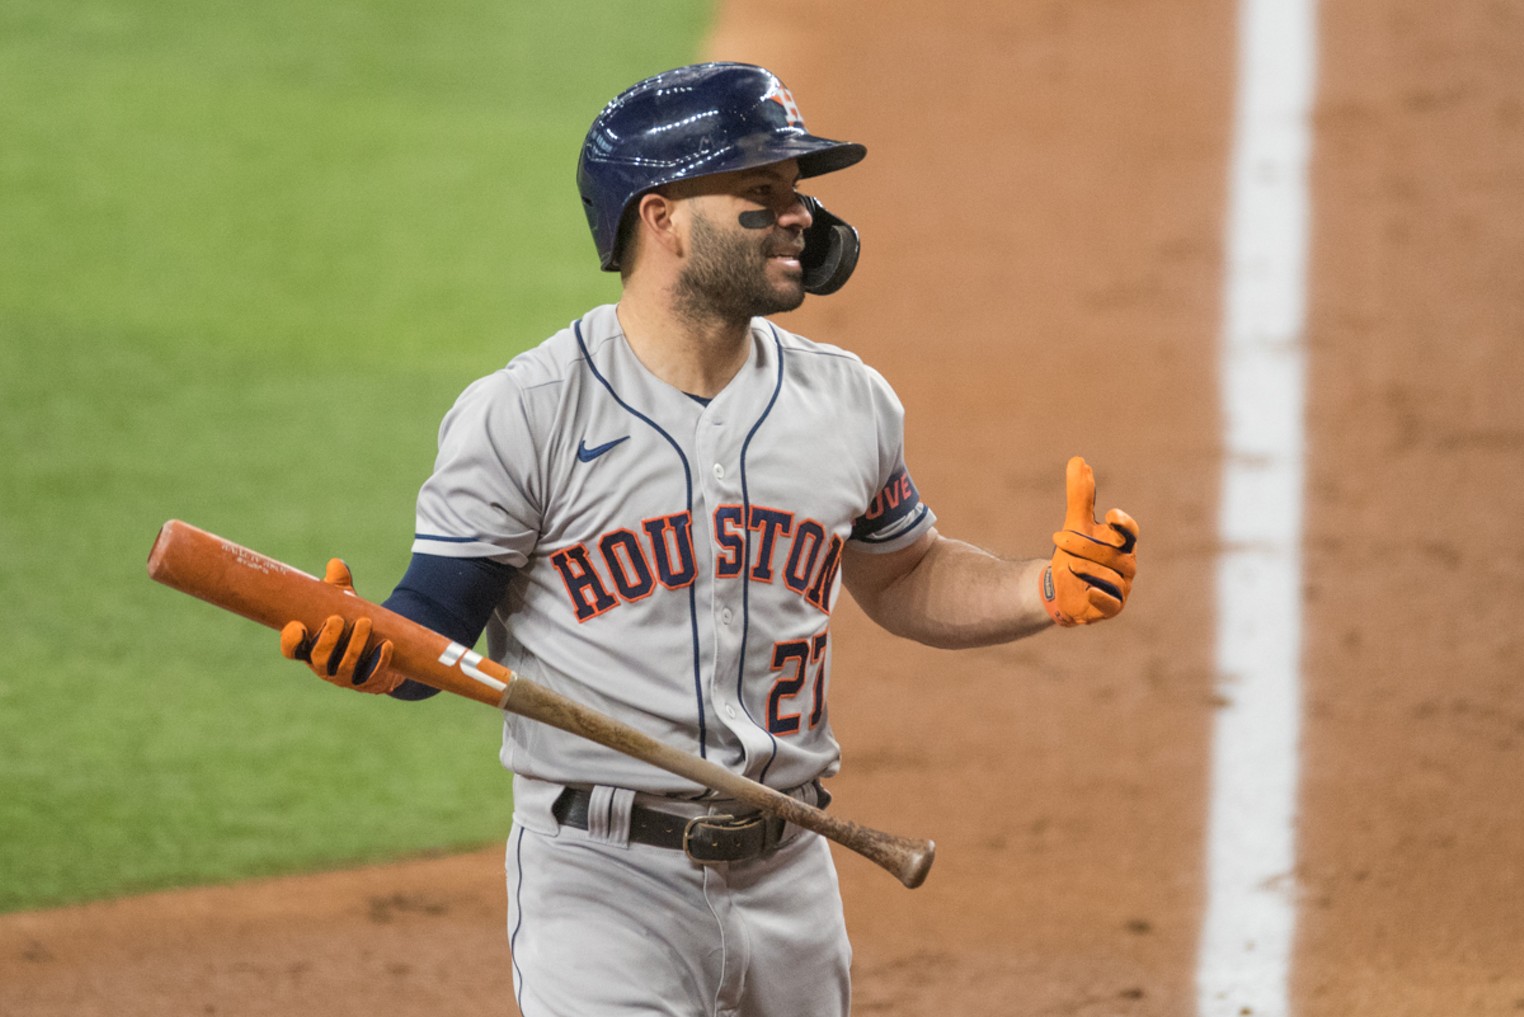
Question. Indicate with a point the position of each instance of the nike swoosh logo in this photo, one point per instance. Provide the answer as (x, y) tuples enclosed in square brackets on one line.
[(587, 455)]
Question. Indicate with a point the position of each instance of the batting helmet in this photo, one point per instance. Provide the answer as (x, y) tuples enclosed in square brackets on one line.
[(693, 122)]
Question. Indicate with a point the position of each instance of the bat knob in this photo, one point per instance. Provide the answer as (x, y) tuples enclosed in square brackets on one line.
[(917, 864)]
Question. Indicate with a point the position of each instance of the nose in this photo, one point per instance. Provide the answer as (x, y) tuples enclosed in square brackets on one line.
[(796, 215)]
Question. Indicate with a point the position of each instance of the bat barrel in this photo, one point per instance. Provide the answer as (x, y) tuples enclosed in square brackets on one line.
[(273, 594), (228, 576)]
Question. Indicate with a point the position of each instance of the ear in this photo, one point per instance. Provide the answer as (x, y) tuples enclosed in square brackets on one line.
[(658, 217)]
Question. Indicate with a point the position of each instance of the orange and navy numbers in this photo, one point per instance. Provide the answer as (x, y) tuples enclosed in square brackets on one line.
[(800, 662)]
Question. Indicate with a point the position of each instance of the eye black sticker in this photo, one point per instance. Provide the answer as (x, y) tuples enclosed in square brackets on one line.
[(757, 219)]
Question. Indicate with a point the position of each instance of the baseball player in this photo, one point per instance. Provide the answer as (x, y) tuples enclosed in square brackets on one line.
[(652, 513)]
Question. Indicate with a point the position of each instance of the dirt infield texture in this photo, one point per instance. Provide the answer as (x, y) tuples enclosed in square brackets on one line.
[(1042, 212)]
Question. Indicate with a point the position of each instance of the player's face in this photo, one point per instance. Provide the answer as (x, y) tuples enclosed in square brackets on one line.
[(744, 242)]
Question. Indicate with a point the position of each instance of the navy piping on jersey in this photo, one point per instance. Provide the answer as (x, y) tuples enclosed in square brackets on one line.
[(698, 674), (746, 546), (513, 938)]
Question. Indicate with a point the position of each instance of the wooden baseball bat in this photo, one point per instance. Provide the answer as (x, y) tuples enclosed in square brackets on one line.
[(264, 590)]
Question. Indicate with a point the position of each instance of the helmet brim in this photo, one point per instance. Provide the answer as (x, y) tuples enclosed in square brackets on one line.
[(836, 155), (816, 156)]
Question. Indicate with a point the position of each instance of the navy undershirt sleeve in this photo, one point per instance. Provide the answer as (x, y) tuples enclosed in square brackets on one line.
[(452, 596)]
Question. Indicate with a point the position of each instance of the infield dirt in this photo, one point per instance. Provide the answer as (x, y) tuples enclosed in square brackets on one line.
[(1042, 212)]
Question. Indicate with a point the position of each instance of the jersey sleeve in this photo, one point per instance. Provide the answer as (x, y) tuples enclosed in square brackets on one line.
[(451, 596), (483, 498), (896, 517)]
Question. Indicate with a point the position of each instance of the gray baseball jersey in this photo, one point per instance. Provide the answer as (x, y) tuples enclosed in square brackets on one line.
[(677, 560)]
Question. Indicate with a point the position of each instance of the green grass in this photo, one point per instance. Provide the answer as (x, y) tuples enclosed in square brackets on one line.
[(249, 253)]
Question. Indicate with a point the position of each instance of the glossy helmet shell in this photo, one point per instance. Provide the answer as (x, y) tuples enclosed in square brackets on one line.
[(692, 122)]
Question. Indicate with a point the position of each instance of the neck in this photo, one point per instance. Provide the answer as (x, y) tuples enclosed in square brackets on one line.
[(694, 353)]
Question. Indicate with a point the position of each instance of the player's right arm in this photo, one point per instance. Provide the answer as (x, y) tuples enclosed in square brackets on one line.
[(452, 596), (473, 490)]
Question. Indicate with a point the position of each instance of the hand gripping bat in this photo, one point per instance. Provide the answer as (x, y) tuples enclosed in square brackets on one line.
[(264, 590)]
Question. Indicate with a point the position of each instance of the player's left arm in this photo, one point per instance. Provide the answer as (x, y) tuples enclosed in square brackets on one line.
[(946, 593)]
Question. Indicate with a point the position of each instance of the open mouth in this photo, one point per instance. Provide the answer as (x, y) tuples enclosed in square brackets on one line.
[(788, 257)]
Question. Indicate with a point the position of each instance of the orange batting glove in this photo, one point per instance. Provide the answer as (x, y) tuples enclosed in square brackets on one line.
[(1093, 565), (338, 654)]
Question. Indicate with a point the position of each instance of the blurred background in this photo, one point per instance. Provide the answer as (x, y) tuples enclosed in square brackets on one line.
[(249, 254)]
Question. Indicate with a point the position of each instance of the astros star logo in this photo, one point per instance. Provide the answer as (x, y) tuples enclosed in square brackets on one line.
[(783, 97)]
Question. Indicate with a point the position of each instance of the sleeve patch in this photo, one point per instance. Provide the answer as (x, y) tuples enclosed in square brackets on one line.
[(895, 510)]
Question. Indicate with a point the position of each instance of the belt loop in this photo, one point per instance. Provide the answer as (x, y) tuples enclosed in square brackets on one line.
[(608, 815)]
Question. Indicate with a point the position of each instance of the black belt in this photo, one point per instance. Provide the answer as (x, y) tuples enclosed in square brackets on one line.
[(705, 839)]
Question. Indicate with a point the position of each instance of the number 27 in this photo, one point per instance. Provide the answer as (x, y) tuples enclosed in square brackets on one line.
[(801, 660)]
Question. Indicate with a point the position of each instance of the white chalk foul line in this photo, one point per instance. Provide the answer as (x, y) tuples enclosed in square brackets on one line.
[(1249, 927)]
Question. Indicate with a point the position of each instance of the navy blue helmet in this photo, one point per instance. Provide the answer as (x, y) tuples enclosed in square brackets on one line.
[(692, 122)]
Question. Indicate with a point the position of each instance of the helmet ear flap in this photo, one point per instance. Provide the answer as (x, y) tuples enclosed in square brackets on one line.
[(831, 247)]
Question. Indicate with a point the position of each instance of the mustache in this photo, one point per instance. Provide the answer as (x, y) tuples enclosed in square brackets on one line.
[(792, 248)]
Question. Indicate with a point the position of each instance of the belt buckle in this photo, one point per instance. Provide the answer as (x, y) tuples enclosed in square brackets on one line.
[(713, 840)]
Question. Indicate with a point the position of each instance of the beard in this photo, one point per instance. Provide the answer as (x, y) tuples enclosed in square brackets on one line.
[(726, 277)]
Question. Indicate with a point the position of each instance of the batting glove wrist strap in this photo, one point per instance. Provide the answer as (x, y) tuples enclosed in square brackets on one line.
[(1050, 599)]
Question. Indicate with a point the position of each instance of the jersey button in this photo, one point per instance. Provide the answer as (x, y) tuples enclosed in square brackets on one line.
[(725, 616), (730, 711), (719, 472)]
